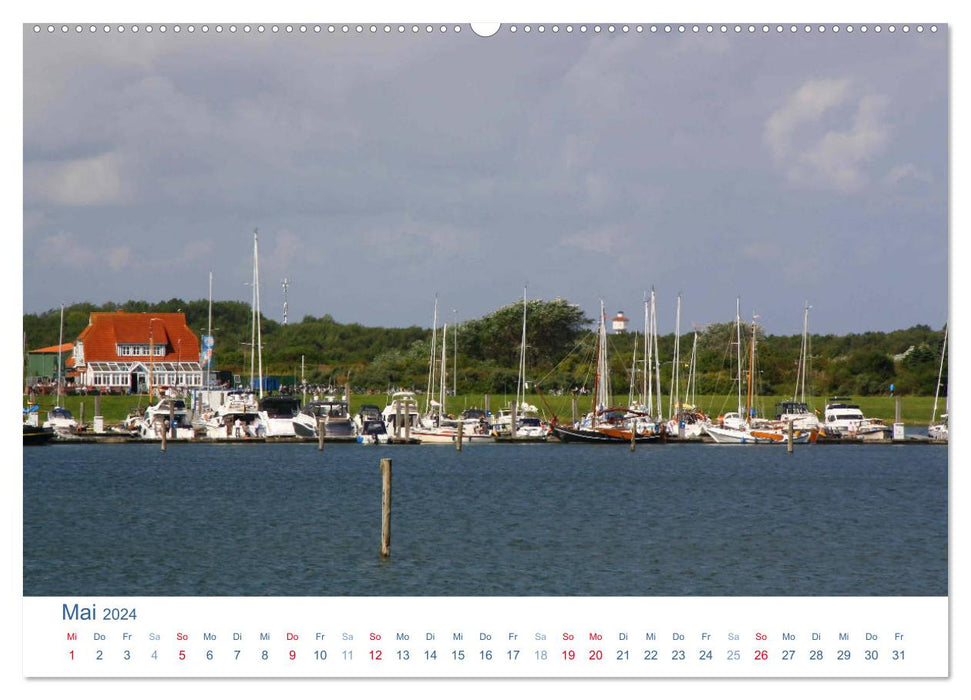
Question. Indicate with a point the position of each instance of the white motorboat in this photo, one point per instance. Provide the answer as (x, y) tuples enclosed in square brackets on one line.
[(529, 423), (170, 415), (237, 418), (370, 426), (802, 417), (338, 425), (845, 420), (277, 414), (61, 421), (400, 415)]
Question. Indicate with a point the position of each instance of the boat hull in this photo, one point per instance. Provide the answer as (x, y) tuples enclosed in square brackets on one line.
[(734, 436), (37, 436), (439, 437), (599, 435)]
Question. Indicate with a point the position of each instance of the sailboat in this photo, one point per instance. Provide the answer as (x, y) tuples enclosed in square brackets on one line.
[(444, 429), (59, 419), (688, 421), (529, 424), (605, 423), (734, 428), (798, 410), (239, 415), (939, 430)]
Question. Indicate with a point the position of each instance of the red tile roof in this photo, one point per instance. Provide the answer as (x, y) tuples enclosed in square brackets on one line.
[(107, 329), (67, 347)]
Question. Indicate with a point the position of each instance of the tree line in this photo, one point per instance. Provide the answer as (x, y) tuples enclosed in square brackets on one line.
[(483, 354)]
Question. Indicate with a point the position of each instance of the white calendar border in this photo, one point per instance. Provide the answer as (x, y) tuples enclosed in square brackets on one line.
[(828, 10)]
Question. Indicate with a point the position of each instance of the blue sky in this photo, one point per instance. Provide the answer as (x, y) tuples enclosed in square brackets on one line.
[(382, 169)]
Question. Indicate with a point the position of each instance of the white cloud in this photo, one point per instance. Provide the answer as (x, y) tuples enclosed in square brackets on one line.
[(907, 171), (79, 182), (119, 258), (834, 154), (606, 239), (807, 105)]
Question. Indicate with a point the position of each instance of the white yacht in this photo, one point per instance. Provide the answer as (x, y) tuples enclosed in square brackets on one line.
[(61, 421), (237, 418), (844, 419), (338, 425), (802, 417), (150, 424), (277, 414), (529, 424), (402, 408), (370, 426)]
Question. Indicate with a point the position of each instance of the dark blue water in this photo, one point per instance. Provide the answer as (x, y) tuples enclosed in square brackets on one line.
[(521, 520)]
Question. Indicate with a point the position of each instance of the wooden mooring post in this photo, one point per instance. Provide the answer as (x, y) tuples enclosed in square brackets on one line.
[(397, 420), (81, 417), (458, 437), (321, 433), (165, 432), (790, 439), (573, 405), (512, 420), (172, 420), (633, 435), (385, 508)]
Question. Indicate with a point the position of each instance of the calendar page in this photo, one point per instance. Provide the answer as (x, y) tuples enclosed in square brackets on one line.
[(582, 347)]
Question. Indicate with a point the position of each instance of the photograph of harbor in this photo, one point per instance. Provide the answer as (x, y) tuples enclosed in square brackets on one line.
[(614, 309)]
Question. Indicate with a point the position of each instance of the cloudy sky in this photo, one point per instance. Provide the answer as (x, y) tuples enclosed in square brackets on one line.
[(382, 169)]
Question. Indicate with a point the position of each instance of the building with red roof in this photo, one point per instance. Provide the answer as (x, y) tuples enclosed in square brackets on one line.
[(620, 322), (137, 352)]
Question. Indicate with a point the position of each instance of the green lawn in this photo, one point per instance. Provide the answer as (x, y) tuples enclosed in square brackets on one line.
[(915, 410)]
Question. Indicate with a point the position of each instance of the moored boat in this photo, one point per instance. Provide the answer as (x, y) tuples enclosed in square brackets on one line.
[(605, 424), (277, 414), (36, 435), (333, 413), (843, 419), (237, 418), (369, 425), (170, 415), (61, 421), (938, 430)]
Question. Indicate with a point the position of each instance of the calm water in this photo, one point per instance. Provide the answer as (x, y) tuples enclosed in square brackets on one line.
[(492, 520)]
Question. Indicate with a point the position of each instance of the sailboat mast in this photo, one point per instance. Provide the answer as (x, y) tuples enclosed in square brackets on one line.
[(751, 374), (455, 353), (60, 342), (430, 394), (252, 338), (940, 374), (645, 390), (657, 357), (521, 380), (803, 357), (631, 401), (738, 349), (689, 392), (675, 388), (256, 311), (441, 397), (209, 332)]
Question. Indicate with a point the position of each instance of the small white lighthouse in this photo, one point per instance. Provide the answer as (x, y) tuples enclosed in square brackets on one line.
[(619, 322)]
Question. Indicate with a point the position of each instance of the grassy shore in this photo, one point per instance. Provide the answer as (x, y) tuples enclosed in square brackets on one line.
[(915, 410)]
